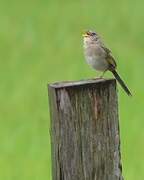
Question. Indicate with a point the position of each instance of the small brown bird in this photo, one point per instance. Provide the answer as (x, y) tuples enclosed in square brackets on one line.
[(100, 58)]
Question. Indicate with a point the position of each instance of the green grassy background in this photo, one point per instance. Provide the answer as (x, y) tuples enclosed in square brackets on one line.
[(40, 42)]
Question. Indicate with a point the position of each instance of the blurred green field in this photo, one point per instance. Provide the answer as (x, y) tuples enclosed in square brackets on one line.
[(40, 43)]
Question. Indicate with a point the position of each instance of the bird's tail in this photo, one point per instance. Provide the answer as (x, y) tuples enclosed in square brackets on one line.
[(121, 82)]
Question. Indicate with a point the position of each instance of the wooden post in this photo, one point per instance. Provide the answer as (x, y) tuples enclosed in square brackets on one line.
[(85, 130)]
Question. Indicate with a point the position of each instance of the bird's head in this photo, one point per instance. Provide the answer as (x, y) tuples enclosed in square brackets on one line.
[(90, 36)]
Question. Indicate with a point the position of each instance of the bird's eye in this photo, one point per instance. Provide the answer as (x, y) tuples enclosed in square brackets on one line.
[(89, 33), (93, 34)]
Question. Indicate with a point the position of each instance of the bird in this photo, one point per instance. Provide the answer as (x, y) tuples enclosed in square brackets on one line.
[(99, 57)]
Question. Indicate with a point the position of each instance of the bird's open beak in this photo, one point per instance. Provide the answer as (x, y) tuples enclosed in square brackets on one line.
[(85, 35)]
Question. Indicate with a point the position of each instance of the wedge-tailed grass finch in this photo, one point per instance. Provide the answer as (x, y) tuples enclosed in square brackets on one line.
[(100, 58)]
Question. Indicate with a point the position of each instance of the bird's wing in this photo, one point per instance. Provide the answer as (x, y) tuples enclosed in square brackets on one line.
[(108, 51), (111, 61), (109, 57)]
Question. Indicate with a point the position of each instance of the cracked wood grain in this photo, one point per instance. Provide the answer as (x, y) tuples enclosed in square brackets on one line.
[(85, 136)]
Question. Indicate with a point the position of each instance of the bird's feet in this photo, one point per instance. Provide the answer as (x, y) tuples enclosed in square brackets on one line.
[(102, 75)]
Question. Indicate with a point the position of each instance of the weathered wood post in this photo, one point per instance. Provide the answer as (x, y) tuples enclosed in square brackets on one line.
[(85, 130)]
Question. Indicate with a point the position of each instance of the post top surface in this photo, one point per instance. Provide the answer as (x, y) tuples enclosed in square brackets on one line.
[(64, 84)]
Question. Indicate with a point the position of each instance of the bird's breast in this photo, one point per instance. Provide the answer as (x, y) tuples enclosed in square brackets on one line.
[(95, 57), (98, 63)]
